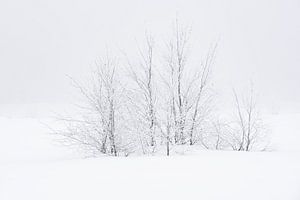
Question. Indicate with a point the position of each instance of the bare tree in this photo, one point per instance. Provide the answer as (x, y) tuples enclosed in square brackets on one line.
[(143, 96), (249, 125), (101, 128), (176, 62), (200, 104), (245, 133), (179, 48), (188, 90)]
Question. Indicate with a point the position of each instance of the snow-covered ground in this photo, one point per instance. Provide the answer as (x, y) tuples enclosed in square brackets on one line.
[(32, 167)]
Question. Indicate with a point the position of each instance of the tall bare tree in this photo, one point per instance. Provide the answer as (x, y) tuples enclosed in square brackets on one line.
[(144, 96), (188, 90), (177, 49), (200, 105)]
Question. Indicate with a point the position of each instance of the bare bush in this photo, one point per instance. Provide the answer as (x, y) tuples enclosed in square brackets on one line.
[(248, 130), (244, 132)]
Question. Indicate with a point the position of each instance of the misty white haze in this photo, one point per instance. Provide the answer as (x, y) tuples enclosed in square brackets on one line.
[(43, 41), (73, 127)]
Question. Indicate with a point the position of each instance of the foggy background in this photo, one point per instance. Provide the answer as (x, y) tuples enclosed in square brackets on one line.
[(43, 41)]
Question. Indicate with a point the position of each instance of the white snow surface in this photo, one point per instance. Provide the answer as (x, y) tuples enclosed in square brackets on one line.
[(33, 167)]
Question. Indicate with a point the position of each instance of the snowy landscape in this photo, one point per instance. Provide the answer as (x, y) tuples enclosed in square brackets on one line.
[(149, 100), (33, 168)]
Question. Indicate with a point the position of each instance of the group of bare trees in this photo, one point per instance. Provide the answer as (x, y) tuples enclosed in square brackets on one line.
[(161, 101)]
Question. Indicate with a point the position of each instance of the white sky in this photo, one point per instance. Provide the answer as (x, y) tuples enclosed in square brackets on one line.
[(42, 41)]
